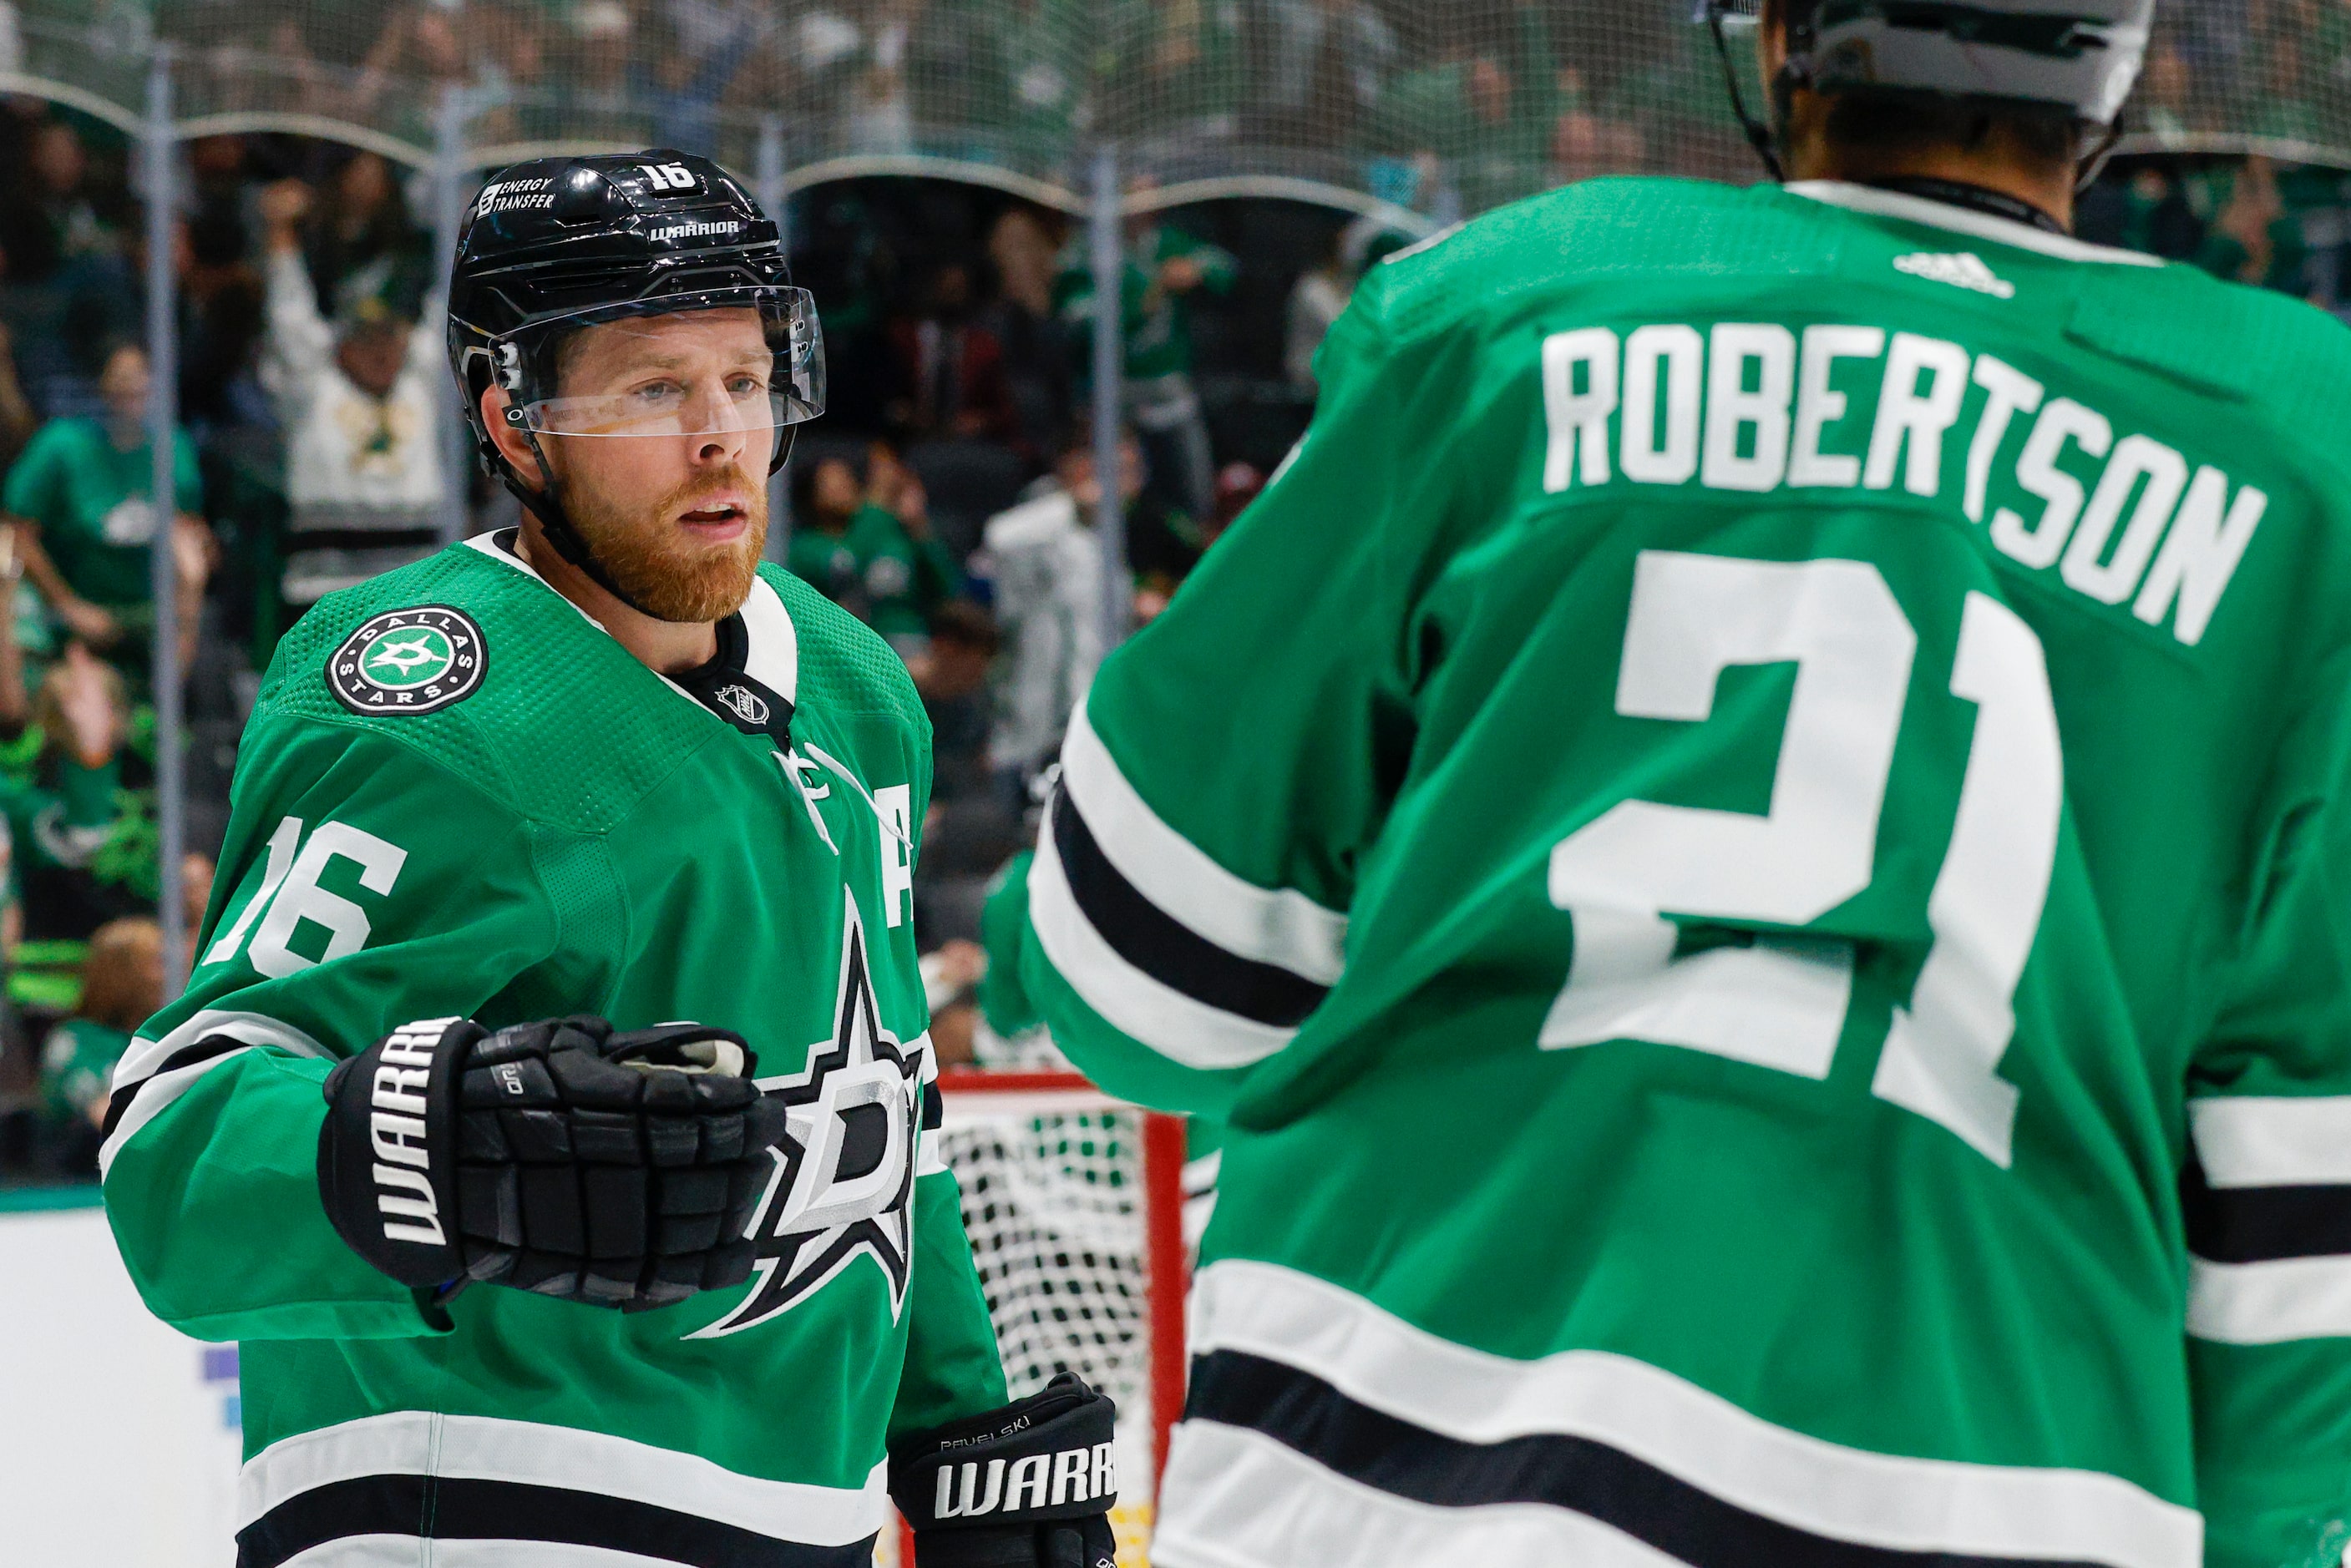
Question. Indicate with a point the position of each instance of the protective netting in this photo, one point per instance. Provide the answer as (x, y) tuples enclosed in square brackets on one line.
[(1441, 106), (1054, 1207), (1057, 1205)]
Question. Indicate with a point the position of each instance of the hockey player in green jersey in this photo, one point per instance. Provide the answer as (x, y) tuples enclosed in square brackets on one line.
[(1753, 840), (523, 1273)]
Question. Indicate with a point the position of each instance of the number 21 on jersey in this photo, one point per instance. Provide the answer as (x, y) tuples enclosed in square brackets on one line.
[(1781, 1003)]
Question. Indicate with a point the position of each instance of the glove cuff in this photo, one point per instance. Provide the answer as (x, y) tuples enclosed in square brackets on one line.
[(1043, 1458), (387, 1159)]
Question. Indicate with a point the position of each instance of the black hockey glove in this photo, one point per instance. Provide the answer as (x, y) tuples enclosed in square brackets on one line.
[(561, 1158), (1027, 1486)]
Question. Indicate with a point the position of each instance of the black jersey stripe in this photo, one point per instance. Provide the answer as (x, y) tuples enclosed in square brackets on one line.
[(2263, 1224), (1582, 1475), (204, 1050), (1163, 947), (452, 1508)]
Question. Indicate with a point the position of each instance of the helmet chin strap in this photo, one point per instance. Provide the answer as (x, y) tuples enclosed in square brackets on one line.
[(2094, 161), (1759, 135), (546, 503)]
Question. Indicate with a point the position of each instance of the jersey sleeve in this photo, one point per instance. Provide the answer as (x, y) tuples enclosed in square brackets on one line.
[(1003, 1000), (2267, 1189), (1187, 902), (31, 490), (952, 1369), (363, 885)]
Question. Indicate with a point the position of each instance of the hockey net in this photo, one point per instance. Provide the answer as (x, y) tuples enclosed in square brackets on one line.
[(1073, 1201)]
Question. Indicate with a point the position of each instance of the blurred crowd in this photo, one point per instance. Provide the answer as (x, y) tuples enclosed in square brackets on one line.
[(1438, 103), (949, 499), (951, 495)]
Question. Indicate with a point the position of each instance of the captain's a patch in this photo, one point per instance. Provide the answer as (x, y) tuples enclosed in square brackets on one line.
[(409, 661)]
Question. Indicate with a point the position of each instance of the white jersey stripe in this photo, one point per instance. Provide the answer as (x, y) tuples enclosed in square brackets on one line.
[(1880, 1500), (530, 1453), (1961, 221), (253, 1028), (1246, 1502), (1177, 1026), (151, 1099), (1275, 925), (2274, 1142), (153, 1093), (2270, 1303)]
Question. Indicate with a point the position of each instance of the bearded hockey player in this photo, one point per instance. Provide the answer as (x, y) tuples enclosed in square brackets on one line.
[(1752, 840), (523, 1272)]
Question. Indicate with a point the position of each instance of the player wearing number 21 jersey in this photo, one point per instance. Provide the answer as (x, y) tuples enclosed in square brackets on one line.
[(1751, 841)]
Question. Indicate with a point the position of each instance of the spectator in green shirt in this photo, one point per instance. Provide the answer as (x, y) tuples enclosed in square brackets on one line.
[(122, 983), (1164, 269), (870, 549), (84, 487), (77, 792)]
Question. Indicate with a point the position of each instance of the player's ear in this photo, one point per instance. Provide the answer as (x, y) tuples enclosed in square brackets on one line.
[(508, 438)]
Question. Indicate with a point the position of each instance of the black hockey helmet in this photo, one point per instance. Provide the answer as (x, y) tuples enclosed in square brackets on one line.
[(558, 244), (2081, 58)]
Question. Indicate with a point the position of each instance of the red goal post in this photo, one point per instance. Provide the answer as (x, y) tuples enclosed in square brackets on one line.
[(1166, 1263), (1075, 1202)]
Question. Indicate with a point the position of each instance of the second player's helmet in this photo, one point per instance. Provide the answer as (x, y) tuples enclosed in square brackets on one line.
[(2079, 57), (559, 245)]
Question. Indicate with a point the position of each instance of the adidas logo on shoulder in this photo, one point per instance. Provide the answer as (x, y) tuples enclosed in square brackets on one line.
[(1964, 270)]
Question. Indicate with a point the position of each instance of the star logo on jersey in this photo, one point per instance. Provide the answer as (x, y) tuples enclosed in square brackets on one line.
[(409, 661), (395, 660), (845, 1179)]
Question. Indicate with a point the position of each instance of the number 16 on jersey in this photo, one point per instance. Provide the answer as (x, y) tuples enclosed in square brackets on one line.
[(1781, 1003)]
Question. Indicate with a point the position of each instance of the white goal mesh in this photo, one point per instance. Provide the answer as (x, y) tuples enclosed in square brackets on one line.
[(1073, 1202)]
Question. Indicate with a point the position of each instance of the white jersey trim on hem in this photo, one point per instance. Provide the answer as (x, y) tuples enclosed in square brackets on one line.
[(1248, 1501), (1827, 1489), (530, 1453)]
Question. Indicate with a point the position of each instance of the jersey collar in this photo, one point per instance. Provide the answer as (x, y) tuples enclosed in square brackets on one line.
[(1912, 209), (771, 653)]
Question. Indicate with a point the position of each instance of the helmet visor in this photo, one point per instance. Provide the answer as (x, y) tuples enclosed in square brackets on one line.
[(746, 360)]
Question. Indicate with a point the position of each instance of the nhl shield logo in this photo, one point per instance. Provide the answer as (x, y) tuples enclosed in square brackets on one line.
[(409, 661), (744, 703)]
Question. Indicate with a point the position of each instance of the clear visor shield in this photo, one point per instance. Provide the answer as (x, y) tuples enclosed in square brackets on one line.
[(745, 361)]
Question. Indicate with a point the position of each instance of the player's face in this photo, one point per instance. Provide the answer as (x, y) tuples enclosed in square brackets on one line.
[(668, 480)]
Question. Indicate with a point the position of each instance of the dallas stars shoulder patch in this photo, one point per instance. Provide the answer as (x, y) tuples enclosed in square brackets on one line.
[(843, 1184), (409, 661)]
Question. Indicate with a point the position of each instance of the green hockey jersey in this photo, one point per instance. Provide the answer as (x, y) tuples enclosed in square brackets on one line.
[(459, 796), (1753, 840)]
